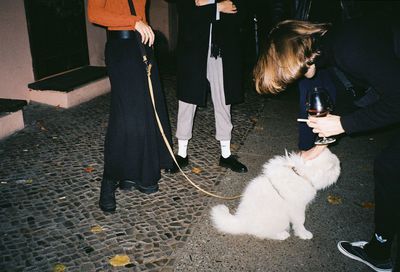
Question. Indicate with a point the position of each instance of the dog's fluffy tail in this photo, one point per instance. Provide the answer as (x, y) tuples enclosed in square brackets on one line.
[(224, 221)]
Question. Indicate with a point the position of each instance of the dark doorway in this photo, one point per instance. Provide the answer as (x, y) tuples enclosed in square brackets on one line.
[(57, 35)]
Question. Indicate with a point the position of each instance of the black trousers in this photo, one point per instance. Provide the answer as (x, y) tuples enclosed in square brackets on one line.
[(387, 190), (134, 149)]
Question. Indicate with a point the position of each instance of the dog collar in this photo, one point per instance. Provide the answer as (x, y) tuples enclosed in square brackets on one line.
[(297, 173)]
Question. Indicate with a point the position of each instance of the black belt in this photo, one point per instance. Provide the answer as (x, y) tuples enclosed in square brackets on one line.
[(121, 34)]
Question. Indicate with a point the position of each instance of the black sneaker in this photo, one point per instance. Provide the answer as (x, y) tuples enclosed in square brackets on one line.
[(183, 162), (357, 252), (232, 163)]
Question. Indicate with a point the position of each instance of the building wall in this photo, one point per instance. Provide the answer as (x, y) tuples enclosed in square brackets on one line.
[(15, 56), (96, 37), (16, 70), (162, 17)]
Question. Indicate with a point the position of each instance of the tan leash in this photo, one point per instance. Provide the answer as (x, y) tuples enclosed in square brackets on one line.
[(148, 70)]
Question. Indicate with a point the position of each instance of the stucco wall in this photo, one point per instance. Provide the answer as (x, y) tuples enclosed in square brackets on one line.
[(96, 37), (15, 56), (159, 18), (16, 70)]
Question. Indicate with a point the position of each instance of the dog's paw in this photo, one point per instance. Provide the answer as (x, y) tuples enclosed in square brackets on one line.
[(304, 234), (282, 235), (219, 209)]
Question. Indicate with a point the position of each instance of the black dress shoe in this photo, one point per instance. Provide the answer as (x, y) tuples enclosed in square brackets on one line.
[(232, 163), (183, 162), (127, 185), (107, 201)]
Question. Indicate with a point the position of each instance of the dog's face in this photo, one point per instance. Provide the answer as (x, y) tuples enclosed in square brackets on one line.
[(322, 171)]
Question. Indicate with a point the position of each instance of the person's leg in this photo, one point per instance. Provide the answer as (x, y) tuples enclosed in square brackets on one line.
[(184, 127), (222, 112), (134, 150), (387, 207), (377, 252), (397, 258)]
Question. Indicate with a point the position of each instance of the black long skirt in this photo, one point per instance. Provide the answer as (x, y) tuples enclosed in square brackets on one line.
[(134, 148)]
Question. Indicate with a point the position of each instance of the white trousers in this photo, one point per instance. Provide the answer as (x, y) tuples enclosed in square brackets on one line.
[(222, 112)]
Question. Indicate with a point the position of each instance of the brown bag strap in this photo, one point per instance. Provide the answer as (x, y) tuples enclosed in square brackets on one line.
[(138, 36), (132, 7)]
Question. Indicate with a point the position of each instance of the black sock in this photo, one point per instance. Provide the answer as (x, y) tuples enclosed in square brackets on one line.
[(379, 247)]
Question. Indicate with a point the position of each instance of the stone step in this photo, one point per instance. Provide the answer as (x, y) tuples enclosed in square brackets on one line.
[(71, 88), (11, 116)]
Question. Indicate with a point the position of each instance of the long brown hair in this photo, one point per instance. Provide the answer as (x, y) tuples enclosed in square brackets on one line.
[(289, 52)]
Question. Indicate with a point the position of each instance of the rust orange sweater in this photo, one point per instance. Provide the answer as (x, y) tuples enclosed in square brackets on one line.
[(115, 14)]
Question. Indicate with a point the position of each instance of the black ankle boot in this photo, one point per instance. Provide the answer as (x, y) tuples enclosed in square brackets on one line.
[(107, 201)]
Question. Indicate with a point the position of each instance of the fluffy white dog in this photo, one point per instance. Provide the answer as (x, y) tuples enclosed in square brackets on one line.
[(279, 197)]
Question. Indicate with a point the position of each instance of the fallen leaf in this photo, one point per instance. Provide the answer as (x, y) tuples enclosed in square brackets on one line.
[(96, 229), (89, 169), (253, 120), (196, 170), (234, 147), (24, 181), (120, 260), (41, 126), (59, 268), (334, 200), (368, 205)]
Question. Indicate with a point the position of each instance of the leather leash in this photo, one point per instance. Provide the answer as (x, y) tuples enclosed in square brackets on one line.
[(148, 72)]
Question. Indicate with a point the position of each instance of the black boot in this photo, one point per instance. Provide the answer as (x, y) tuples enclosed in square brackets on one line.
[(127, 185), (107, 201)]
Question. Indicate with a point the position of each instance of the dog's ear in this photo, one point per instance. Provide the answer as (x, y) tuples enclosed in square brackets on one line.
[(286, 154)]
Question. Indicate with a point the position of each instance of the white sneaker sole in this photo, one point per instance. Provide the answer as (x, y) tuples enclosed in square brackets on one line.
[(351, 256)]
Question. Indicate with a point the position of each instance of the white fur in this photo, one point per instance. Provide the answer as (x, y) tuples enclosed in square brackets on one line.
[(265, 213)]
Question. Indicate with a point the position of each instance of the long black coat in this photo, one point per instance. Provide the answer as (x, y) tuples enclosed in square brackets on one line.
[(193, 43)]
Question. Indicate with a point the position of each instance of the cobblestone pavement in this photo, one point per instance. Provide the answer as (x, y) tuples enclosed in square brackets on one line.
[(344, 211), (50, 174)]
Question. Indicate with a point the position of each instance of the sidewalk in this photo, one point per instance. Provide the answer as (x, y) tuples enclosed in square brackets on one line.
[(351, 219), (50, 174)]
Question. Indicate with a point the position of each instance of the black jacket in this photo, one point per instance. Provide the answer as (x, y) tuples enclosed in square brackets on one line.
[(192, 53), (365, 50)]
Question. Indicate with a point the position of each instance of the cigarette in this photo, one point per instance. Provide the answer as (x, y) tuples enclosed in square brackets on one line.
[(302, 120)]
